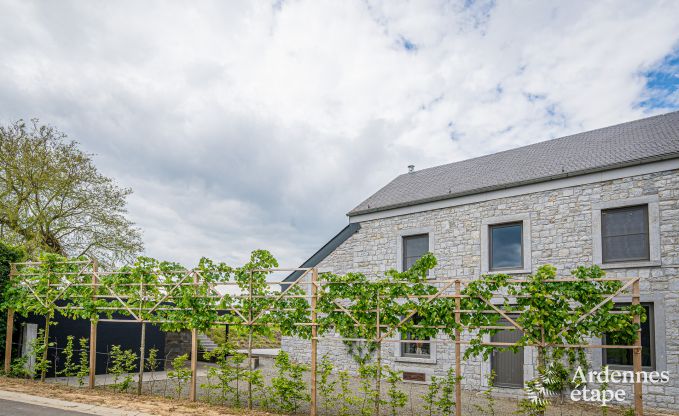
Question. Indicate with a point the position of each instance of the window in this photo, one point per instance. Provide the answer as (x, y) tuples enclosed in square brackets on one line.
[(624, 234), (414, 247), (415, 349), (623, 358), (506, 247)]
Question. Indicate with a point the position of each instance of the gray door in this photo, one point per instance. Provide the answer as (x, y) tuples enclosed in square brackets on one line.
[(508, 366)]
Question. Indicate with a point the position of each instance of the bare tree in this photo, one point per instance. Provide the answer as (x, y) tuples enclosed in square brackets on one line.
[(53, 198)]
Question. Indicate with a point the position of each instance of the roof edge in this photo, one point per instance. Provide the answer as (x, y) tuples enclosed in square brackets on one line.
[(635, 162), (323, 252)]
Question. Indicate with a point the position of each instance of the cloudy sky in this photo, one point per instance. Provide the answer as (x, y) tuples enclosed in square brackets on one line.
[(254, 124)]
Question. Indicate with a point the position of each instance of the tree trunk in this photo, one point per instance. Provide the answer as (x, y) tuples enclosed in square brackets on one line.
[(46, 346)]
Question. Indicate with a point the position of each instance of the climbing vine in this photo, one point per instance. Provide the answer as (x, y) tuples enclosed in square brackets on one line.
[(552, 314)]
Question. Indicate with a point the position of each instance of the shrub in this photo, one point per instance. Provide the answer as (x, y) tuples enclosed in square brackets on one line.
[(123, 364), (70, 367), (83, 362), (288, 387), (180, 373)]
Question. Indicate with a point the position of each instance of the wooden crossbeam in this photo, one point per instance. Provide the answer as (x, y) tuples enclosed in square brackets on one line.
[(598, 306)]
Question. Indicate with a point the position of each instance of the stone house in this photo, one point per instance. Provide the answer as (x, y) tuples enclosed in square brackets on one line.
[(608, 197)]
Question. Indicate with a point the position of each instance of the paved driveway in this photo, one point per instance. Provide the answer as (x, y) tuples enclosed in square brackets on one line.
[(12, 408)]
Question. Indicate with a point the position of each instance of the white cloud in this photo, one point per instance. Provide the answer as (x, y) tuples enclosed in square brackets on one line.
[(245, 125)]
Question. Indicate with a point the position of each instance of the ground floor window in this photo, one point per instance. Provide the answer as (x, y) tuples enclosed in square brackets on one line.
[(622, 357), (418, 348)]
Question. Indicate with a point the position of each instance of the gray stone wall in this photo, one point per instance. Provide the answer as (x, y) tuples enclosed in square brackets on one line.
[(560, 234), (176, 344)]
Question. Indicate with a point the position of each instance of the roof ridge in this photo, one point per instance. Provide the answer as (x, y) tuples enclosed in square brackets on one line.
[(631, 142), (542, 142)]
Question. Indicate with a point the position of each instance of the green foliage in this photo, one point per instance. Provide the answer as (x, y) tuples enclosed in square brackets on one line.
[(123, 362), (548, 311), (256, 380), (288, 387), (83, 361), (445, 402), (151, 365), (229, 373), (180, 373), (439, 399), (367, 374), (38, 349), (326, 384), (397, 399), (70, 367), (345, 400), (59, 284), (18, 368), (238, 337), (396, 296), (429, 397), (53, 198), (489, 407), (8, 254)]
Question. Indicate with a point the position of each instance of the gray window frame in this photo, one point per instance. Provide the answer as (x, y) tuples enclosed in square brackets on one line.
[(405, 336), (647, 233), (653, 203), (490, 245), (404, 239)]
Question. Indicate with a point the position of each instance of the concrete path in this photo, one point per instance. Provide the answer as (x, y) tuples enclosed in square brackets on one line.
[(10, 408), (19, 404), (263, 352), (107, 379)]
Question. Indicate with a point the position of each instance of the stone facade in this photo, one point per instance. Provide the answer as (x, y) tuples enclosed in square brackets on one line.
[(176, 344), (561, 233)]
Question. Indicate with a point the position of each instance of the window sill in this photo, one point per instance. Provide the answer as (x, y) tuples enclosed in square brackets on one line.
[(626, 367), (509, 271), (431, 360), (421, 383), (631, 264)]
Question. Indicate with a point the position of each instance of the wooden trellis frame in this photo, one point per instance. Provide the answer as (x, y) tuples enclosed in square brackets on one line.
[(91, 275)]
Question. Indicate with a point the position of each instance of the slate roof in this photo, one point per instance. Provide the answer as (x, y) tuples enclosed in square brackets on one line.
[(636, 142)]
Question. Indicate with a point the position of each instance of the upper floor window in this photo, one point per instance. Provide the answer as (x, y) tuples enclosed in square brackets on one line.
[(506, 246), (414, 247), (625, 234)]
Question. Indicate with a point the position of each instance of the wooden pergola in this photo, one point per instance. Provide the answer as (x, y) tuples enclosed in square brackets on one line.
[(140, 308)]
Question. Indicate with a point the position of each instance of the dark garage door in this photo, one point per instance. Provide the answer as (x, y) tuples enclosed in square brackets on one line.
[(508, 365)]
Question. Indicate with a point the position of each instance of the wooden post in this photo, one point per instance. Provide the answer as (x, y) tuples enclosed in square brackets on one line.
[(194, 350), (636, 355), (378, 374), (142, 351), (250, 366), (93, 326), (314, 340), (10, 327), (142, 346), (46, 343), (458, 320)]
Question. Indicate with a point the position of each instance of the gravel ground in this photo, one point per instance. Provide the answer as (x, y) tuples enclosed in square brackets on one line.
[(473, 402), (157, 386)]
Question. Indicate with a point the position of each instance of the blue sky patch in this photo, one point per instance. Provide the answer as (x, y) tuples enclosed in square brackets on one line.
[(407, 44), (662, 84)]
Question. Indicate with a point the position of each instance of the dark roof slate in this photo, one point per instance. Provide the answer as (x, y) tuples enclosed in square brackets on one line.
[(636, 142)]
